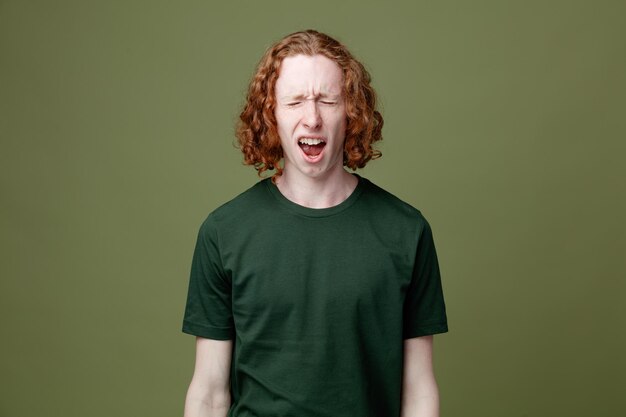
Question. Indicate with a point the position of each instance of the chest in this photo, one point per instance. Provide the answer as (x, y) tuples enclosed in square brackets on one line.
[(312, 276)]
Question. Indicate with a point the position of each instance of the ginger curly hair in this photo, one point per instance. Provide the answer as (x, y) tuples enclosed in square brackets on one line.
[(257, 129)]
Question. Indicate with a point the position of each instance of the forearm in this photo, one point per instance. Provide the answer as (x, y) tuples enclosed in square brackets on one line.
[(201, 402), (421, 405)]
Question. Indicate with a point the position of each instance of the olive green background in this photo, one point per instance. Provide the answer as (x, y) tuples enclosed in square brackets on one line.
[(504, 123)]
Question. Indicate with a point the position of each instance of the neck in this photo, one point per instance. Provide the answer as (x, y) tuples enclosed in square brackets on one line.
[(313, 192)]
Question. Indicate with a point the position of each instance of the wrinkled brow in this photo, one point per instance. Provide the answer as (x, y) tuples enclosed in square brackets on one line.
[(306, 96)]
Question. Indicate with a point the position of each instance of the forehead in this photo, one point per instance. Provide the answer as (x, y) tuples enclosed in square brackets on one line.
[(305, 74)]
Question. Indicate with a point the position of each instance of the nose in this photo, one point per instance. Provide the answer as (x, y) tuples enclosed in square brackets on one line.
[(311, 117)]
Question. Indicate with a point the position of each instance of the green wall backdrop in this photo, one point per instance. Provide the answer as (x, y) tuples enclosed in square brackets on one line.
[(505, 124)]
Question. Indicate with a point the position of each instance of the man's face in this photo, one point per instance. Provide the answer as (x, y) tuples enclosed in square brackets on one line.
[(311, 116)]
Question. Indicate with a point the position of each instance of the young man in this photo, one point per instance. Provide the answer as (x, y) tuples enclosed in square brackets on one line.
[(314, 293)]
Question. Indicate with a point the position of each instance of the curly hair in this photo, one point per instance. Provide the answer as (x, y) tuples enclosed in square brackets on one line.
[(257, 132)]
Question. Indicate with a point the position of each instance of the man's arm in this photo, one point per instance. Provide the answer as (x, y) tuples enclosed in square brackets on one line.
[(209, 391), (420, 395)]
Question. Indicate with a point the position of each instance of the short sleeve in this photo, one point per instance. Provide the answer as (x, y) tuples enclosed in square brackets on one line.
[(424, 306), (208, 312)]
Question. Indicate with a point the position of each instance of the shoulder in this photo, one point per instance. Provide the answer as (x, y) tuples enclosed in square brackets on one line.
[(244, 206), (389, 206), (251, 198)]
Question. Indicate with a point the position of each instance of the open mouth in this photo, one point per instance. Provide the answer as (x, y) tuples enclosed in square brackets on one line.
[(311, 146)]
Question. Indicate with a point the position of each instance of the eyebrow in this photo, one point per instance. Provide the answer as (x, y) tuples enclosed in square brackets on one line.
[(304, 97)]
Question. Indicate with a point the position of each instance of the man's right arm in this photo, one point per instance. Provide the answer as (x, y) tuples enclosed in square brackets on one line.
[(209, 391)]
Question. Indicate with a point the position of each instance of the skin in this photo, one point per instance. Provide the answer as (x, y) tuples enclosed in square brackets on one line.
[(310, 103), (420, 394), (209, 391)]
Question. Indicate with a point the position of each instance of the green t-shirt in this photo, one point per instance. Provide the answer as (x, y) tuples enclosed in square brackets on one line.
[(317, 301)]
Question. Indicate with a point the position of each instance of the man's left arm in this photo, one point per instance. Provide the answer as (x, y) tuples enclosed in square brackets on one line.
[(420, 394)]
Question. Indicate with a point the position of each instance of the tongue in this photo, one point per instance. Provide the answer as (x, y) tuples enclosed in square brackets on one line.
[(312, 150)]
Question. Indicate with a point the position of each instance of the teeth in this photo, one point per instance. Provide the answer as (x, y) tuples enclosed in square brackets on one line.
[(310, 141)]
